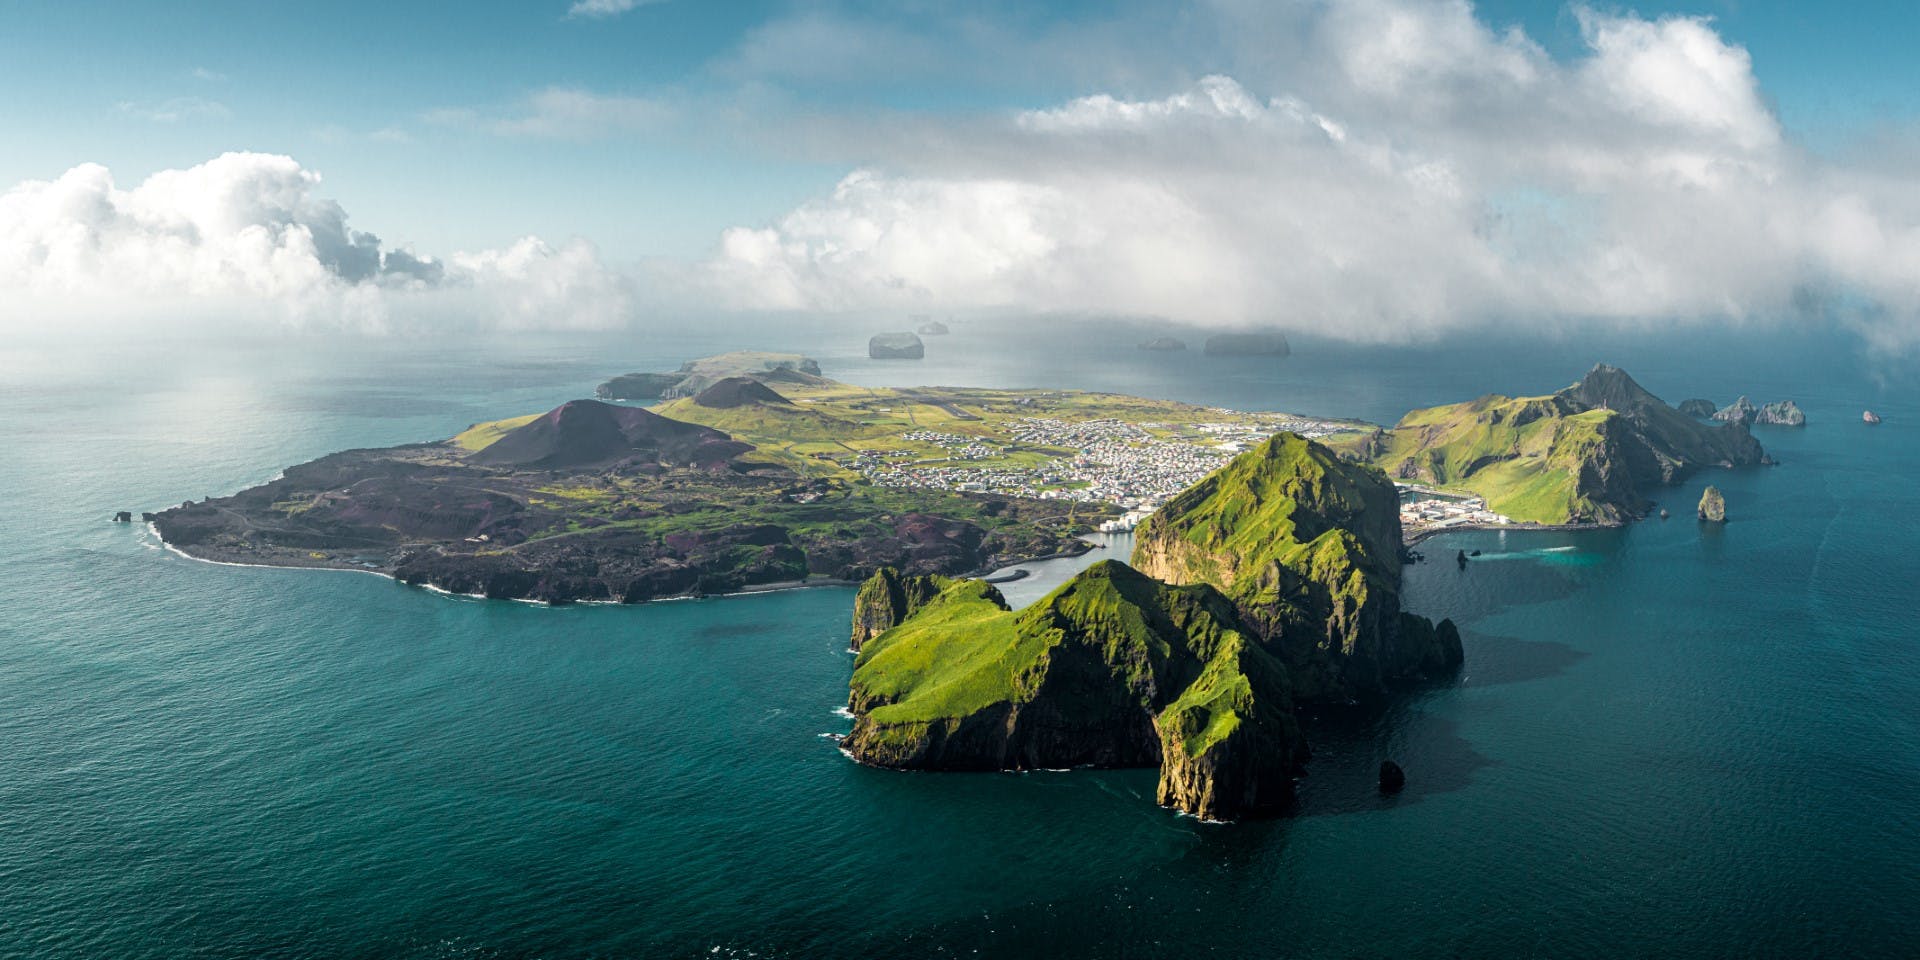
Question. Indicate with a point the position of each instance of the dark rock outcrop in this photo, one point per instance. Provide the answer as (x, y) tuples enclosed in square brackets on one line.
[(1392, 778), (1697, 407), (1267, 344), (896, 346), (1713, 506), (587, 433), (738, 392)]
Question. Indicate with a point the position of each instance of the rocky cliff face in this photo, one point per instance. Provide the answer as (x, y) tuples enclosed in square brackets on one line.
[(1741, 411), (1112, 669), (1785, 413), (889, 597), (1586, 454), (1713, 506), (1306, 546)]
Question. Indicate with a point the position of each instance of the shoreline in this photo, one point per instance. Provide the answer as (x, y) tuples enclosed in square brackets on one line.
[(780, 586), (1410, 539)]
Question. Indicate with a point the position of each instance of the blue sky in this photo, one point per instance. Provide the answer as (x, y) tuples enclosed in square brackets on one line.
[(1369, 169), (353, 89)]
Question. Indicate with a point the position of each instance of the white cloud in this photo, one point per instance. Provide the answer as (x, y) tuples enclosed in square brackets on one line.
[(248, 231), (1403, 169), (602, 9)]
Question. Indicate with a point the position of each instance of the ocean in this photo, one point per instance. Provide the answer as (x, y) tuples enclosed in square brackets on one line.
[(1669, 740)]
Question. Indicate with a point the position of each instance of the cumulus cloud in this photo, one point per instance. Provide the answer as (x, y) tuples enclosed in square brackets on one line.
[(250, 231), (1408, 169)]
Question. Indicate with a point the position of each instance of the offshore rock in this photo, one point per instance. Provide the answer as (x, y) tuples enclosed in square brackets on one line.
[(1112, 669), (1782, 414), (932, 328), (1741, 411), (1306, 546), (1713, 506), (896, 346), (1868, 416), (1697, 407), (1392, 778)]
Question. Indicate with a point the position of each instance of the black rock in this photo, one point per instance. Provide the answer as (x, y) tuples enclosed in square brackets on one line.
[(1392, 778), (1474, 554), (124, 516), (1461, 558)]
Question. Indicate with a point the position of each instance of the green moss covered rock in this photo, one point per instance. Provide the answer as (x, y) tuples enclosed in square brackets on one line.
[(1112, 669), (1307, 547)]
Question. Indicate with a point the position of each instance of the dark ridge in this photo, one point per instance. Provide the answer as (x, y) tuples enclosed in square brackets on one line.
[(738, 392), (588, 433)]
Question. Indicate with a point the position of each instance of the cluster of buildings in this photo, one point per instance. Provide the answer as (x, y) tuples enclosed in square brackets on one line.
[(1437, 513)]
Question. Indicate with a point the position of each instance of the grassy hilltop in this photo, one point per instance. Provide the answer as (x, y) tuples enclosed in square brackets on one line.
[(1586, 454)]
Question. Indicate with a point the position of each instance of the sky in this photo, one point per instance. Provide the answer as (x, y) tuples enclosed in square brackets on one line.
[(1372, 169)]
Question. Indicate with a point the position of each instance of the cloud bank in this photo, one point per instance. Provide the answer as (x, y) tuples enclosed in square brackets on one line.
[(248, 231), (1404, 170)]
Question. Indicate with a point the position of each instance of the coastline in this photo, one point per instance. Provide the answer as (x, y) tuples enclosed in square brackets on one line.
[(779, 586), (1410, 539)]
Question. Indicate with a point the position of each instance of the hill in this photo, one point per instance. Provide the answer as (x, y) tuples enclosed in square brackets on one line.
[(588, 433), (1307, 546), (737, 392), (1112, 669), (695, 376), (1586, 454)]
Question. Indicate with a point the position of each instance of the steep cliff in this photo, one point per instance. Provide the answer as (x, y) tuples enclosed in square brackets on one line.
[(1307, 547), (1112, 669), (889, 597), (1586, 454)]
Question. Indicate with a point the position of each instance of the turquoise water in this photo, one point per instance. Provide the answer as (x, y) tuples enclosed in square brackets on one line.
[(1668, 741)]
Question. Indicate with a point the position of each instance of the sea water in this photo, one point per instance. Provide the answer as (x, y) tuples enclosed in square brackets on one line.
[(1668, 740)]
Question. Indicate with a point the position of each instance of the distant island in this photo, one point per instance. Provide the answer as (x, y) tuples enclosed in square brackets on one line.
[(697, 375), (903, 345)]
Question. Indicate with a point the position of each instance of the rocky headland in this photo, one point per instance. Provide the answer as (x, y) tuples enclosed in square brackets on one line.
[(697, 375), (1588, 454), (1275, 581)]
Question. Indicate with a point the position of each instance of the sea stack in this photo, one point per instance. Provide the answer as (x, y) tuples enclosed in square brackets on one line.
[(903, 345), (1868, 416), (1739, 411), (1713, 506), (1392, 778), (1783, 414)]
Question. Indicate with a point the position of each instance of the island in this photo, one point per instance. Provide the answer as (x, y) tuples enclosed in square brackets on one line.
[(1268, 344), (1713, 506), (904, 345), (1588, 454), (776, 478), (697, 375), (1274, 582), (932, 328)]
